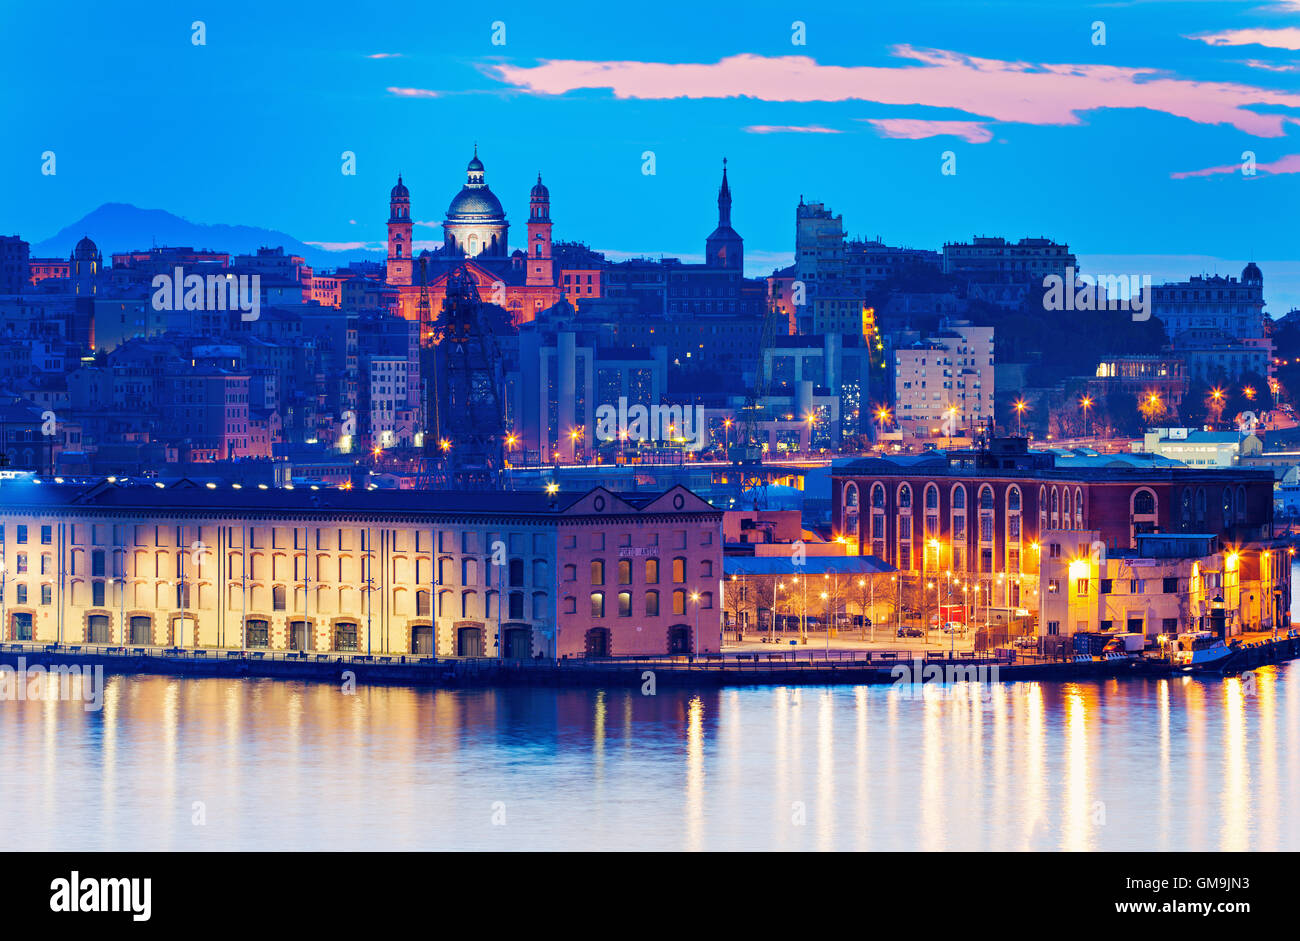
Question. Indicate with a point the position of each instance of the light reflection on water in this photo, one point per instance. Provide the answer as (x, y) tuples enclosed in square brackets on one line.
[(1184, 764)]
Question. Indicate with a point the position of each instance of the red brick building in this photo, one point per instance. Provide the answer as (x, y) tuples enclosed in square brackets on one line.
[(978, 513)]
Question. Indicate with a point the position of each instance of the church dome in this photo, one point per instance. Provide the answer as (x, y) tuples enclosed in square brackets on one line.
[(540, 191), (475, 203), (1252, 274), (475, 165), (400, 191), (85, 248)]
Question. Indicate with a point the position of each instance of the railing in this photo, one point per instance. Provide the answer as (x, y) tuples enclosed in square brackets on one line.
[(214, 654)]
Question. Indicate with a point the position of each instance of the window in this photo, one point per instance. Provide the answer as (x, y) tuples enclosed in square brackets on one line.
[(1053, 627), (47, 535), (652, 604), (1170, 586), (47, 594), (97, 594), (652, 571), (597, 604), (277, 598), (1054, 550), (1106, 585), (570, 573), (1053, 585), (679, 602), (516, 612), (21, 593), (597, 572), (97, 562), (679, 571), (625, 604), (624, 572), (258, 633), (1081, 586), (21, 537), (516, 573), (345, 636)]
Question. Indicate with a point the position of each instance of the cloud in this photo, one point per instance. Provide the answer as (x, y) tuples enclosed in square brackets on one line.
[(996, 90), (1272, 66), (414, 92), (1288, 164), (1286, 38), (972, 132), (790, 129), (384, 55), (349, 246)]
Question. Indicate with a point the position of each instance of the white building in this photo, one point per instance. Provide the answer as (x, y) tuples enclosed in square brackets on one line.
[(950, 374)]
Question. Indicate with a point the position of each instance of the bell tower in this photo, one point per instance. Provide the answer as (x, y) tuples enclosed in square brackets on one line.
[(541, 265), (399, 234)]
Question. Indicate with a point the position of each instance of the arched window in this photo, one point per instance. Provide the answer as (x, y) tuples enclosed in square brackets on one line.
[(878, 496), (1241, 504), (1144, 502), (1227, 506), (931, 497), (597, 572), (904, 496), (1013, 498), (1078, 508), (851, 494), (986, 498), (624, 571), (277, 598), (652, 571), (959, 497)]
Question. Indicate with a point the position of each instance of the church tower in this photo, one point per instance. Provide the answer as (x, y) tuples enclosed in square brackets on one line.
[(399, 234), (84, 266), (541, 266), (724, 248)]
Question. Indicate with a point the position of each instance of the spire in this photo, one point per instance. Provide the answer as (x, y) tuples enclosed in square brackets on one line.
[(724, 199)]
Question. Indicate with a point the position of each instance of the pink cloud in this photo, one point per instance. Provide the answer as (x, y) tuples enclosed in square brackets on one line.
[(1015, 92), (1288, 164), (973, 132), (384, 55), (414, 92), (790, 129), (1286, 38)]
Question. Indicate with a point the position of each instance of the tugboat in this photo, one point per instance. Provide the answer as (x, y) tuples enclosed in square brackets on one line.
[(1200, 652)]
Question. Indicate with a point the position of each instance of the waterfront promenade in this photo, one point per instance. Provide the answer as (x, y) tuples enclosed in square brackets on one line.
[(743, 666)]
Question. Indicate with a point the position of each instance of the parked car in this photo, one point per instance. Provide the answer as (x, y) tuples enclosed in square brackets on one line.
[(910, 632), (954, 627), (1028, 641)]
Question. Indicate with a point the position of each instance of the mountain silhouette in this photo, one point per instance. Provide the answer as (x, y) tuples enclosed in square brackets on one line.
[(121, 227)]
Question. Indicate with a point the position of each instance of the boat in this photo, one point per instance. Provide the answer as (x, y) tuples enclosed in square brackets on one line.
[(1198, 651)]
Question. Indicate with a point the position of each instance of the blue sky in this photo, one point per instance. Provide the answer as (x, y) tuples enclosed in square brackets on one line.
[(1130, 151)]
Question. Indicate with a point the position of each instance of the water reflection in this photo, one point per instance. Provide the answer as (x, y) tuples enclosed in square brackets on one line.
[(1183, 764)]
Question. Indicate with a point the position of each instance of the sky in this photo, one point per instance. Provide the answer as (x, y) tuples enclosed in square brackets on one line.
[(1131, 150)]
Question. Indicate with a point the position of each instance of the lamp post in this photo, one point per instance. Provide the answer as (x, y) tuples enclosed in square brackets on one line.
[(1085, 403), (1020, 406), (695, 597)]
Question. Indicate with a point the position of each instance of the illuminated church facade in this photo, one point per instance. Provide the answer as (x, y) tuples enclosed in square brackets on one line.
[(476, 234)]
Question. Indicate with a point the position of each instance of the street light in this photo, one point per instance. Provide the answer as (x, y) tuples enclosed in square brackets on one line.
[(1020, 406), (1085, 403), (695, 597)]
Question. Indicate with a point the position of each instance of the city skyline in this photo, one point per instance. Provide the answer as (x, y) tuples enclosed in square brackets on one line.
[(1221, 93)]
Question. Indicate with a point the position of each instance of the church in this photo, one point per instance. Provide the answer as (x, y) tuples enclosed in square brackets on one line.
[(475, 234)]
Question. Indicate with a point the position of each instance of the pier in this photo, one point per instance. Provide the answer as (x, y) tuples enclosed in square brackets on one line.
[(745, 669)]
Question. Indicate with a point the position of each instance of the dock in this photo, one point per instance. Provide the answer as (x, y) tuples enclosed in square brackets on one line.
[(849, 667)]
